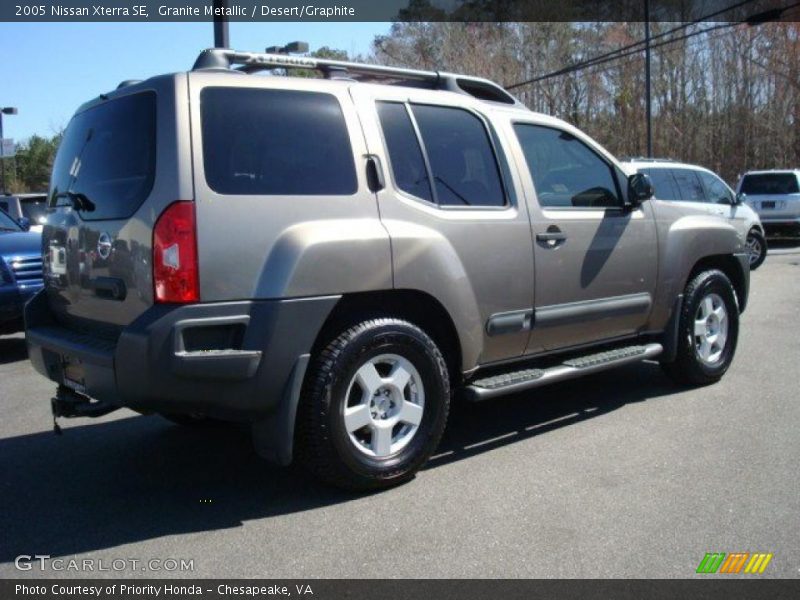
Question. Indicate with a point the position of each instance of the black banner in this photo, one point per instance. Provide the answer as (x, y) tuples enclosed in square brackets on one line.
[(427, 589), (397, 10)]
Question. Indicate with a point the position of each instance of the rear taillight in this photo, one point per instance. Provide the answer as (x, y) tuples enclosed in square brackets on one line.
[(175, 276)]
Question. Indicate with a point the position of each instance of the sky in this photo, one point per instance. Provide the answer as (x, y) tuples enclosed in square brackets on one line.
[(49, 69)]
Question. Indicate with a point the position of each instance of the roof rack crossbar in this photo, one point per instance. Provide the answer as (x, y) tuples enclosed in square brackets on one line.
[(249, 62)]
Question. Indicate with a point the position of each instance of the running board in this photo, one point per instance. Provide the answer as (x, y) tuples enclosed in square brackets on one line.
[(525, 379)]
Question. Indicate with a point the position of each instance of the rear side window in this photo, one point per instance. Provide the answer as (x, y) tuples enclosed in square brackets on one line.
[(108, 154), (408, 163), (565, 171), (462, 161), (275, 142), (663, 183), (689, 186), (451, 162), (764, 184)]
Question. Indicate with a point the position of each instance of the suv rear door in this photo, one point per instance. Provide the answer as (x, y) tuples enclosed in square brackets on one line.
[(451, 196), (117, 168), (774, 195)]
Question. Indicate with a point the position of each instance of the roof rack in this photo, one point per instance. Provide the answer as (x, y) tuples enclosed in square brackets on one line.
[(647, 159), (249, 62)]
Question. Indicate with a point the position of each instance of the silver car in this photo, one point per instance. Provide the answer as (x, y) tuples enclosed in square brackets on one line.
[(332, 259), (696, 187), (775, 195)]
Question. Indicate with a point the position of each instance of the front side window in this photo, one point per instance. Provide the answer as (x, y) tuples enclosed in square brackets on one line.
[(7, 223), (451, 162), (689, 186), (275, 142), (663, 184), (716, 190), (566, 172)]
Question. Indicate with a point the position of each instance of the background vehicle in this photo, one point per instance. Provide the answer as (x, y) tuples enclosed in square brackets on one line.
[(696, 187), (332, 259), (20, 271), (28, 209), (775, 195)]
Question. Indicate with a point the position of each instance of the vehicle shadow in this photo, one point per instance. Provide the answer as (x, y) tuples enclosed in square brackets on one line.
[(12, 349), (106, 484)]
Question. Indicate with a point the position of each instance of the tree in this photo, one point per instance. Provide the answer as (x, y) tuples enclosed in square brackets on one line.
[(29, 170)]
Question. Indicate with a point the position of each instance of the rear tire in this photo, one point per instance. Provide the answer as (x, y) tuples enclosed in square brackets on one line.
[(708, 330), (374, 406), (757, 248)]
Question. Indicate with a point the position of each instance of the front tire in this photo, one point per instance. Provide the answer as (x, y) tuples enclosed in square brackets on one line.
[(756, 248), (708, 330), (374, 406)]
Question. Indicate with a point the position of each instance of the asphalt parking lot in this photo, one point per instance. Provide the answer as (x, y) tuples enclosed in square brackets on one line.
[(622, 474)]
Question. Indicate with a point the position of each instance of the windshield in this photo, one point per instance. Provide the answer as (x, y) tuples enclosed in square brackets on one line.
[(769, 184), (7, 223), (108, 155), (35, 210)]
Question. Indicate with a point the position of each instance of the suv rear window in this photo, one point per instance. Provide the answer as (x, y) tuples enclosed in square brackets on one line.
[(108, 154), (769, 183), (275, 142)]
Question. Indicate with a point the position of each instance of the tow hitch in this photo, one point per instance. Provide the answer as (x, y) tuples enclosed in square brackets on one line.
[(68, 403)]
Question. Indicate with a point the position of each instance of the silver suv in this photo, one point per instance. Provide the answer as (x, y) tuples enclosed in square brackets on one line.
[(695, 187), (331, 260), (775, 195)]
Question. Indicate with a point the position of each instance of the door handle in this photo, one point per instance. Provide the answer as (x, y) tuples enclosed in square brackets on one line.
[(552, 237), (375, 179)]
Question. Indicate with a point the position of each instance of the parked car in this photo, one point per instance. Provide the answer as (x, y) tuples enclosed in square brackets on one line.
[(332, 259), (20, 271), (775, 195), (696, 187), (28, 209)]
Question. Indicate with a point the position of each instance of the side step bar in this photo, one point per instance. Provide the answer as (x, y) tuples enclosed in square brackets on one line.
[(525, 379)]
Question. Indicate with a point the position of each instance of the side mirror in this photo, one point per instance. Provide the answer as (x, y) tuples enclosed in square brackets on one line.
[(740, 198), (640, 188), (25, 223)]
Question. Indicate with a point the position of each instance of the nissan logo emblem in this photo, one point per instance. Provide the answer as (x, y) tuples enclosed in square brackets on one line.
[(104, 245)]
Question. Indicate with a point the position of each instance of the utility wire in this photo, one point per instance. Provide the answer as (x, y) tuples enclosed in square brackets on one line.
[(618, 53), (633, 52), (630, 60)]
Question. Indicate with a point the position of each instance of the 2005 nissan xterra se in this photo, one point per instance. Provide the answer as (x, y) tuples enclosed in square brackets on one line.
[(332, 259)]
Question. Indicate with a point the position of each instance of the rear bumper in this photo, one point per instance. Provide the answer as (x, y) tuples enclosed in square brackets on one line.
[(781, 228), (231, 360)]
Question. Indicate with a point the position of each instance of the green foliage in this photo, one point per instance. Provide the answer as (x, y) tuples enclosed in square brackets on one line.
[(29, 170)]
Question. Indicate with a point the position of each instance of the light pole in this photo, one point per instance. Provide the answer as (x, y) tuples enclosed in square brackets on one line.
[(221, 31), (6, 110), (648, 99)]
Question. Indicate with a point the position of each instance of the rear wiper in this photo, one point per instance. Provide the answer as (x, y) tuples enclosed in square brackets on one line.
[(79, 201)]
